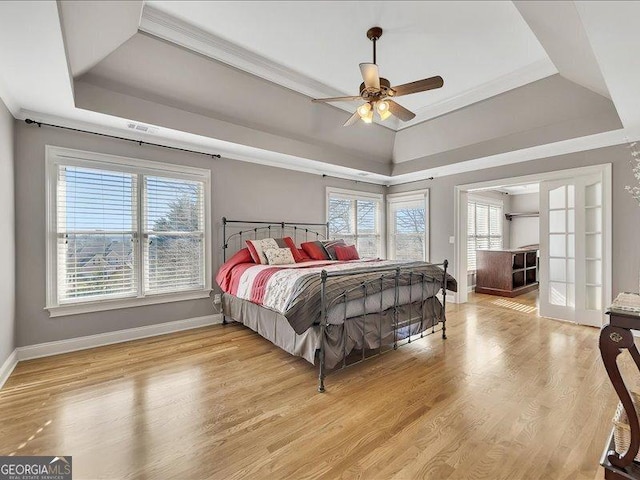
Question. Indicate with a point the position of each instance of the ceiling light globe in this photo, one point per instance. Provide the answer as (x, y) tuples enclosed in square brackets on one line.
[(364, 109), (382, 106)]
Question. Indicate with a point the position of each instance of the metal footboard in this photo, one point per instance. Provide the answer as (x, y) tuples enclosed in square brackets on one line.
[(402, 322)]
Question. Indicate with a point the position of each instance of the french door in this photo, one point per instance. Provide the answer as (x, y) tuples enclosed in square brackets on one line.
[(572, 268)]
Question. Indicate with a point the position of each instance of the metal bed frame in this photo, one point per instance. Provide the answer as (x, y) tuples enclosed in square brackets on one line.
[(394, 274)]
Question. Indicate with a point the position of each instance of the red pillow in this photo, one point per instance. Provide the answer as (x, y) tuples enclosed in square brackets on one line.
[(257, 254), (347, 252), (303, 256), (288, 242), (315, 250)]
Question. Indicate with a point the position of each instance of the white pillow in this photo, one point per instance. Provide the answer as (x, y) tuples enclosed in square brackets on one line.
[(257, 248), (279, 256)]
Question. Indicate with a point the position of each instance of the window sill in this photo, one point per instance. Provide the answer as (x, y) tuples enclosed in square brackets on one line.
[(114, 304)]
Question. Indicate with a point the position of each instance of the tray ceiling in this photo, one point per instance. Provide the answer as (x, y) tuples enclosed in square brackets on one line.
[(480, 48)]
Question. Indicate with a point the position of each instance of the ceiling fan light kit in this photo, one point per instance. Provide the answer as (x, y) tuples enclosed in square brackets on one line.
[(376, 91)]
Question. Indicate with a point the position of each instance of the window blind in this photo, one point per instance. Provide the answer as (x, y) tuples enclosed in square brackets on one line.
[(96, 223), (484, 229), (408, 229), (124, 230), (356, 220), (174, 234)]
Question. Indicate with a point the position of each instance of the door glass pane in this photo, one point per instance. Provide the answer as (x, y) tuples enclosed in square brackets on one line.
[(557, 245), (594, 245), (571, 246), (571, 220), (571, 271), (557, 198), (593, 195), (571, 196), (594, 298), (557, 270), (557, 221), (594, 272), (571, 295), (593, 219), (558, 294)]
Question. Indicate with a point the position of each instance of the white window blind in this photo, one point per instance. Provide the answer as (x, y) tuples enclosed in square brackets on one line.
[(96, 218), (122, 231), (407, 214), (356, 218), (174, 234), (484, 229)]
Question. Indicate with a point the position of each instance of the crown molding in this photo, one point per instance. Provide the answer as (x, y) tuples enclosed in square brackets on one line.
[(109, 125), (299, 164), (528, 74), (160, 24)]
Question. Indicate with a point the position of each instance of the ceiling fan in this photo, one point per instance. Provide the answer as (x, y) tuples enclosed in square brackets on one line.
[(377, 91)]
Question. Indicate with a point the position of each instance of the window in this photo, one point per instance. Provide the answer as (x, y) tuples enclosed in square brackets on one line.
[(124, 232), (408, 214), (484, 228), (357, 218)]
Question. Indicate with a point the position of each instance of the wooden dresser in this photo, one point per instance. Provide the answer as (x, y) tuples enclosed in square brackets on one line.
[(507, 273)]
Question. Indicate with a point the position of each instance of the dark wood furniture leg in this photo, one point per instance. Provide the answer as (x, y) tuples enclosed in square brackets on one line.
[(613, 340)]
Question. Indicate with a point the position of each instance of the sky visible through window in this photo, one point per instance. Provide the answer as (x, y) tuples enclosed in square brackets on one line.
[(100, 200)]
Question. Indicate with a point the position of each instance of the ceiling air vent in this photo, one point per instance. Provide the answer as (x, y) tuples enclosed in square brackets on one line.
[(140, 127)]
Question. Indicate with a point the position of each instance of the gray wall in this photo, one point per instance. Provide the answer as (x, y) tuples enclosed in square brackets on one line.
[(240, 190), (626, 212), (255, 192), (541, 112), (525, 230), (7, 227)]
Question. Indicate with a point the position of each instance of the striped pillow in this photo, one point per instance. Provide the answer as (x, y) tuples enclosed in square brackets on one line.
[(330, 247)]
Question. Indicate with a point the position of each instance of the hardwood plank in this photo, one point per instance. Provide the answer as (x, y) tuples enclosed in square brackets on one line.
[(509, 395)]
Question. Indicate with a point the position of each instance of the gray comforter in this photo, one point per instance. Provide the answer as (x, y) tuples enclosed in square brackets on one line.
[(303, 308)]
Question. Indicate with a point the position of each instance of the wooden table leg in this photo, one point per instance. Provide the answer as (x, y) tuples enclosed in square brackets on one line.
[(612, 341)]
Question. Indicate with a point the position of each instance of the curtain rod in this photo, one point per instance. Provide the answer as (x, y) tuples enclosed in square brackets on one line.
[(28, 121), (324, 175)]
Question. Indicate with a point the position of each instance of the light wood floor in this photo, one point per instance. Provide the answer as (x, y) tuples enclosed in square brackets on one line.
[(507, 396)]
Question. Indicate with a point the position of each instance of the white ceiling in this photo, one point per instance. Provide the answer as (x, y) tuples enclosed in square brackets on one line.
[(480, 48)]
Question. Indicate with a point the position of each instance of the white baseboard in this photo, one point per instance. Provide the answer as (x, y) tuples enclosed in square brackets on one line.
[(109, 338), (8, 366)]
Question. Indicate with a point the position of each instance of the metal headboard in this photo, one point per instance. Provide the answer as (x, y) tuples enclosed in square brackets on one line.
[(254, 230)]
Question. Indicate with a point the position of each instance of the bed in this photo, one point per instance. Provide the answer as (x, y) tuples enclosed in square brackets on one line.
[(333, 313)]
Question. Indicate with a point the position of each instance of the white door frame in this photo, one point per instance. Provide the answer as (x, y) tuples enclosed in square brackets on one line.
[(460, 220)]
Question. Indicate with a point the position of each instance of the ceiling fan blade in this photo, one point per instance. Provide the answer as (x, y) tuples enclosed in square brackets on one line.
[(399, 111), (352, 119), (418, 86), (370, 75), (337, 99)]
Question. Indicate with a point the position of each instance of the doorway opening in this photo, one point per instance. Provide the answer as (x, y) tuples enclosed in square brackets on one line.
[(548, 233)]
